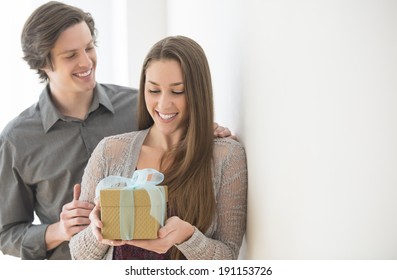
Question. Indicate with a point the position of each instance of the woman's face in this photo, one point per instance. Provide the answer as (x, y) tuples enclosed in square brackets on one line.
[(165, 96)]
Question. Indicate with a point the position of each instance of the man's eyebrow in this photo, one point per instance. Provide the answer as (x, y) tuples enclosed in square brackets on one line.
[(73, 50)]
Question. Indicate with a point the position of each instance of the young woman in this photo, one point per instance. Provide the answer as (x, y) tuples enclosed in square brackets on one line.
[(206, 177)]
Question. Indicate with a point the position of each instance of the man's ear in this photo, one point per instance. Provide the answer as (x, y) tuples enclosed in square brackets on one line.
[(47, 69)]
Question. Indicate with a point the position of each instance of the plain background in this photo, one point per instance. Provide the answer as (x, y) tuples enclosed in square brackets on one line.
[(310, 89)]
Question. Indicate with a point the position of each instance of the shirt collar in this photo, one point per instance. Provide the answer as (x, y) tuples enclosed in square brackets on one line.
[(103, 98), (50, 114)]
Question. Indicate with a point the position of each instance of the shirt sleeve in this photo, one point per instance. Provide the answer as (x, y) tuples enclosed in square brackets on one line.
[(18, 236), (231, 207)]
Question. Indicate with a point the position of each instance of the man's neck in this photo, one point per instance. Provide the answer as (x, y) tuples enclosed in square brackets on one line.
[(75, 105)]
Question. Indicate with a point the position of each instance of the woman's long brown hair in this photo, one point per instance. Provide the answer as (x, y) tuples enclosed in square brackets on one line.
[(189, 176)]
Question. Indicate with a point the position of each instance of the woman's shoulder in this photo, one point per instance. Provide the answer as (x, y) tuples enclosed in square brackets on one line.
[(122, 141), (227, 148), (125, 137), (227, 142), (230, 163)]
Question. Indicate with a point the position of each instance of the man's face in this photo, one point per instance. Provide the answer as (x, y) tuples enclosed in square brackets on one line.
[(74, 62)]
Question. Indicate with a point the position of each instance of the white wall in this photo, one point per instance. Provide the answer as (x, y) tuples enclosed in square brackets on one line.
[(19, 84), (310, 88), (325, 157), (146, 25)]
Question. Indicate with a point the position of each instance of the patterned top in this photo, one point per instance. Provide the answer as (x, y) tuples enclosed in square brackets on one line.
[(118, 155), (129, 252)]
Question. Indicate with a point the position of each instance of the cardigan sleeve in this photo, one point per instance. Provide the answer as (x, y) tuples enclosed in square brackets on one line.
[(230, 172), (84, 244), (114, 155)]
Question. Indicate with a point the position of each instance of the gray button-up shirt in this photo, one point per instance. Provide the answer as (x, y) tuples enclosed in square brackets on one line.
[(42, 155)]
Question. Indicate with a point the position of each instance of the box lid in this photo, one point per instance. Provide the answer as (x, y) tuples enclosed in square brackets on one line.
[(111, 196)]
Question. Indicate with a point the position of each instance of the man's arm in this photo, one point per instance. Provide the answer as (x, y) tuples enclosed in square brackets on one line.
[(18, 236)]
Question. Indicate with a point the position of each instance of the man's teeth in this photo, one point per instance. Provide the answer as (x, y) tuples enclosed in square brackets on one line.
[(166, 116), (84, 74)]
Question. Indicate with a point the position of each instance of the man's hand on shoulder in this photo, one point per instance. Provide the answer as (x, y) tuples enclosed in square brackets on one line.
[(221, 132)]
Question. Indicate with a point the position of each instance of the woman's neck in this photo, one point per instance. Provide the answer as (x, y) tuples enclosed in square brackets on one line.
[(165, 142)]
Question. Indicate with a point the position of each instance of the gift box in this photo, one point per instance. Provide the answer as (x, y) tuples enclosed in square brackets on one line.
[(144, 225), (136, 210)]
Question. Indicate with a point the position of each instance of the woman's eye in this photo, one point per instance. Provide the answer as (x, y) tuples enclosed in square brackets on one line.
[(154, 91), (70, 56), (178, 91)]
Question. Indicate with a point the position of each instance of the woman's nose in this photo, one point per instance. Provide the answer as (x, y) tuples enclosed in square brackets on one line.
[(164, 101)]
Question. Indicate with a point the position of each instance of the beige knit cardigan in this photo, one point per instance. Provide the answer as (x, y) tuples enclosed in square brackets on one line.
[(118, 155)]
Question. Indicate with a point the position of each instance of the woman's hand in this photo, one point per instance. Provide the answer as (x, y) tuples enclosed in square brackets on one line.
[(96, 226), (175, 231)]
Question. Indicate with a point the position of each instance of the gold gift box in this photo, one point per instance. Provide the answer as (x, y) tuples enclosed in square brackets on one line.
[(145, 226)]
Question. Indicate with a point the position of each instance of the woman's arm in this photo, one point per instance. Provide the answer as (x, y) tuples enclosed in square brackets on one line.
[(231, 207), (84, 245)]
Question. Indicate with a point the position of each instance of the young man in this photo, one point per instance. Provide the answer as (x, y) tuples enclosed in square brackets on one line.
[(44, 150)]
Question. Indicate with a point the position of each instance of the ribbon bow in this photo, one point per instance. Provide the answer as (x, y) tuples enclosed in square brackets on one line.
[(146, 179)]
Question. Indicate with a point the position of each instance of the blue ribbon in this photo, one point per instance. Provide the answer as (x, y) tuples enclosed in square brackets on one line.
[(146, 179)]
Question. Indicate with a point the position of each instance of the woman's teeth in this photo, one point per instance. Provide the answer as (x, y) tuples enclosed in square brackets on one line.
[(167, 116)]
